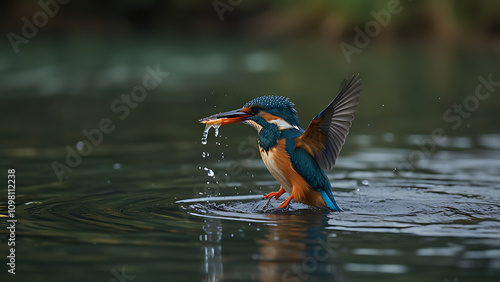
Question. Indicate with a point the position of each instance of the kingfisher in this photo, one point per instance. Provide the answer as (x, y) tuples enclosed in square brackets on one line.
[(298, 158)]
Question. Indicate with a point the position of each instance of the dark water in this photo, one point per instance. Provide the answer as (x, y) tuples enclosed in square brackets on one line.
[(149, 213), (145, 204)]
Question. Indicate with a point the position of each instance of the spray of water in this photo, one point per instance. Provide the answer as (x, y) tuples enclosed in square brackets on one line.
[(207, 130)]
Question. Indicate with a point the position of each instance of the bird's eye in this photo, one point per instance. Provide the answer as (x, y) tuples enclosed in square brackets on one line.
[(255, 110)]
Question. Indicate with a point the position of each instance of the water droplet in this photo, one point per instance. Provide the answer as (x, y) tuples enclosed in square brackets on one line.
[(216, 127), (203, 154), (365, 182), (209, 172), (368, 124), (80, 145), (207, 130), (117, 166), (109, 181), (383, 105)]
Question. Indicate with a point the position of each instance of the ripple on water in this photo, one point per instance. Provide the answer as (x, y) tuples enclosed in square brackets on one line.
[(420, 203)]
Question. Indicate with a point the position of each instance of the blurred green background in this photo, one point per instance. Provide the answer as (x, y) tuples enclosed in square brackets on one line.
[(64, 79)]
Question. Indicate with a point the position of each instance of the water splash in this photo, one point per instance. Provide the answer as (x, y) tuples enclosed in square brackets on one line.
[(216, 127), (209, 172), (207, 130)]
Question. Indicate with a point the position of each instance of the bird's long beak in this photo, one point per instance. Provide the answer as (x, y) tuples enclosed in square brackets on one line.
[(226, 118)]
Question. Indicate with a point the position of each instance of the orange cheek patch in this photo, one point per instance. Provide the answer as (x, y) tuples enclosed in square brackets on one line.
[(246, 110), (267, 116)]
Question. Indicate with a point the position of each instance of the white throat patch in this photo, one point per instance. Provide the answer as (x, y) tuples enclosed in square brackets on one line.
[(282, 124)]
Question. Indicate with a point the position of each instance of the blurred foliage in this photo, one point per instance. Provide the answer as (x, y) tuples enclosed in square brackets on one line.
[(332, 19), (426, 60)]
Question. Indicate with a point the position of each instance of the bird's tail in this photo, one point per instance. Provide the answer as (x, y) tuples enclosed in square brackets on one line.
[(329, 200)]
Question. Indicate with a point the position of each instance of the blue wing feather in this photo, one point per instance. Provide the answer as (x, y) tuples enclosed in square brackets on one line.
[(308, 168), (329, 200), (326, 134)]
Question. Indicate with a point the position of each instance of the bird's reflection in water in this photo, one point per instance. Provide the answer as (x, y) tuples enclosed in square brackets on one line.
[(298, 249), (212, 250)]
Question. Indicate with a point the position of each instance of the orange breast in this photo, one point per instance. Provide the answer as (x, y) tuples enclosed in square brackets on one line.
[(279, 165)]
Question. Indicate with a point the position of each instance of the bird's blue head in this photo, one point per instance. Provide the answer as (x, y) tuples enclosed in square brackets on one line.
[(273, 107), (261, 112)]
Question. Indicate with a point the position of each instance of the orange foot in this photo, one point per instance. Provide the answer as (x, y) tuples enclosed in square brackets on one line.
[(276, 195), (286, 202)]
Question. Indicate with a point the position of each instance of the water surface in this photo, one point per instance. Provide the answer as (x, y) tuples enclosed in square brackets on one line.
[(154, 215), (151, 202)]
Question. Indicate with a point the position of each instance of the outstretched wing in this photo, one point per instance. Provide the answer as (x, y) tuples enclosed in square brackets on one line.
[(326, 133)]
